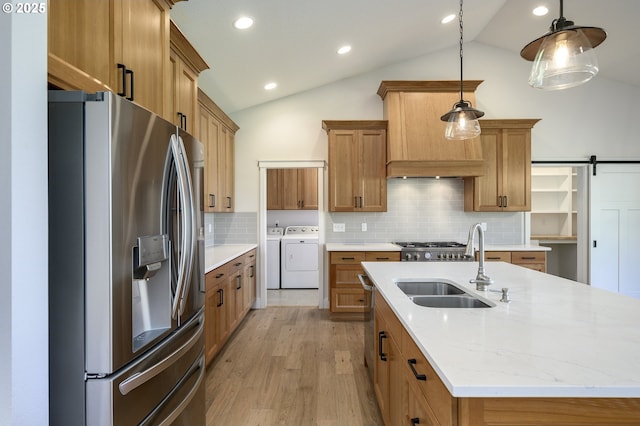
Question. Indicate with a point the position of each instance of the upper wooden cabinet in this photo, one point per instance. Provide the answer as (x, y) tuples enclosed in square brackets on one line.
[(217, 133), (506, 183), (182, 95), (357, 158), (116, 45), (416, 145), (292, 189)]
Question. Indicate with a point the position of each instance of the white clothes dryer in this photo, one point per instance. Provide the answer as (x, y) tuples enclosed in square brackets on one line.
[(299, 257), (274, 235)]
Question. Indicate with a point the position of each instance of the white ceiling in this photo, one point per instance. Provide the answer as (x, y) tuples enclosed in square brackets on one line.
[(294, 42)]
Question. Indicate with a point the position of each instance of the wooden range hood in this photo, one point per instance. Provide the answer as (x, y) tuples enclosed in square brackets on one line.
[(416, 146)]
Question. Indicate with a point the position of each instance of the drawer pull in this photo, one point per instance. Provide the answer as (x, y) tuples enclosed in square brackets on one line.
[(528, 258), (382, 258), (415, 421), (219, 276), (492, 258), (348, 258), (381, 355), (412, 362), (237, 264)]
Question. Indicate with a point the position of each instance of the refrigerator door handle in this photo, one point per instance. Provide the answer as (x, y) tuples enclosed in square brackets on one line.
[(190, 230), (142, 377), (177, 155)]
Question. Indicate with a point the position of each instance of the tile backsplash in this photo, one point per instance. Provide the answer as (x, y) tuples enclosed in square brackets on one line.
[(424, 209), (418, 209)]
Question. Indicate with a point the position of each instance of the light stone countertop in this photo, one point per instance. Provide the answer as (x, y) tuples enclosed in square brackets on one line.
[(557, 338), (362, 247), (216, 256)]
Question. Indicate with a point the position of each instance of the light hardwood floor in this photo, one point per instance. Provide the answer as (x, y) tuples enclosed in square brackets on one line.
[(291, 366)]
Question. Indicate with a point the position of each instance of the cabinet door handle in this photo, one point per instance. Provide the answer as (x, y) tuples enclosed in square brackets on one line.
[(220, 298), (506, 202), (355, 202), (131, 79), (360, 202), (239, 282), (415, 421), (499, 200), (228, 202), (382, 355), (253, 271), (184, 126), (124, 80), (212, 200), (413, 362)]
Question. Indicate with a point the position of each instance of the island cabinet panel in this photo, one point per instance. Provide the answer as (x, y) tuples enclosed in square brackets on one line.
[(348, 300), (506, 182), (388, 368), (357, 158), (548, 411), (229, 295)]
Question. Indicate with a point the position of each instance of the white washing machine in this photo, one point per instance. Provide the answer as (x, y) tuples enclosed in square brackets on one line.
[(299, 257), (274, 235)]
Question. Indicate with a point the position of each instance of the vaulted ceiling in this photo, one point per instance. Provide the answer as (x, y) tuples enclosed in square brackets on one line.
[(294, 42)]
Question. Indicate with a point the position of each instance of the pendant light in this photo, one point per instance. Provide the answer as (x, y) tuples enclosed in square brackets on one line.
[(564, 56), (462, 120)]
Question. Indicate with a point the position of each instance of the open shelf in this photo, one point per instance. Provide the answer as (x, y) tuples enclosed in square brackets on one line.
[(553, 201)]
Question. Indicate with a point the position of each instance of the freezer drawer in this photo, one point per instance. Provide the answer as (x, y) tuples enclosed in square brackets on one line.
[(165, 387)]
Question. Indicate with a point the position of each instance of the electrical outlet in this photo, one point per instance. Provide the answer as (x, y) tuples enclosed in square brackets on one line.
[(484, 225), (210, 228), (338, 227), (364, 227)]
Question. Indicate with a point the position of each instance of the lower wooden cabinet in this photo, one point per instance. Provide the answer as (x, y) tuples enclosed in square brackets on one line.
[(536, 260), (230, 294), (409, 392), (348, 300)]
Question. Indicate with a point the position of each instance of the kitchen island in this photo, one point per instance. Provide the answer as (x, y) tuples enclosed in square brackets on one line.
[(560, 353)]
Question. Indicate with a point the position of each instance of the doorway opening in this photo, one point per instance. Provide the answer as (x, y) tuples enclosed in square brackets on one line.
[(288, 211)]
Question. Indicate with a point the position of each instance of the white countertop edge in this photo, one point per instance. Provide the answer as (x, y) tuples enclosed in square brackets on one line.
[(362, 247), (514, 247), (216, 256)]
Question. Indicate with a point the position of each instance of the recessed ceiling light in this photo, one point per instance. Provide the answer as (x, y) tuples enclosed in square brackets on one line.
[(344, 50), (540, 11), (270, 86), (243, 23), (448, 18)]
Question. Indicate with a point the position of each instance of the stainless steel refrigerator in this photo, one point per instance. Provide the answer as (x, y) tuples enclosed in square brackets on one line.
[(126, 259)]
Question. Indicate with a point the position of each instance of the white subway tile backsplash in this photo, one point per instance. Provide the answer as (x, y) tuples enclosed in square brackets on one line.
[(425, 209)]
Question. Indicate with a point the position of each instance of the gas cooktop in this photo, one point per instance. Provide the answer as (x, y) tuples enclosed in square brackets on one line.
[(435, 244)]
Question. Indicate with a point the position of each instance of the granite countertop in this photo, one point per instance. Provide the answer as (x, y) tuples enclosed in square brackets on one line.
[(557, 338), (216, 256)]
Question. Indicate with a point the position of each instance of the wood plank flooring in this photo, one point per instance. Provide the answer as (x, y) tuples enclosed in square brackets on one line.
[(291, 366)]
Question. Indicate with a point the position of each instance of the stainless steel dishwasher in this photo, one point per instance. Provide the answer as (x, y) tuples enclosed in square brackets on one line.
[(369, 345)]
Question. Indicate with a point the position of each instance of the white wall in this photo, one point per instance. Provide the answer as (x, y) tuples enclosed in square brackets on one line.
[(593, 119), (23, 221)]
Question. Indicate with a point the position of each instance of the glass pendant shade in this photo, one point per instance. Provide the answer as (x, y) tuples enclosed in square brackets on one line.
[(462, 122), (565, 59)]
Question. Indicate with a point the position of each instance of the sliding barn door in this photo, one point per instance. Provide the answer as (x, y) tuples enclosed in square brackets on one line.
[(614, 228)]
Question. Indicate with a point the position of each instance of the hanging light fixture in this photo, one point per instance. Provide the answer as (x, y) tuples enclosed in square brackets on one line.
[(564, 56), (462, 120)]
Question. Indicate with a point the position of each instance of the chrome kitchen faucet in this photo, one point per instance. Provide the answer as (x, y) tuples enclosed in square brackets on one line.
[(482, 281)]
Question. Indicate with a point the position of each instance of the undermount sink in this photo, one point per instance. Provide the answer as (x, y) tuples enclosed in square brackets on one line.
[(428, 288), (449, 302), (440, 293)]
